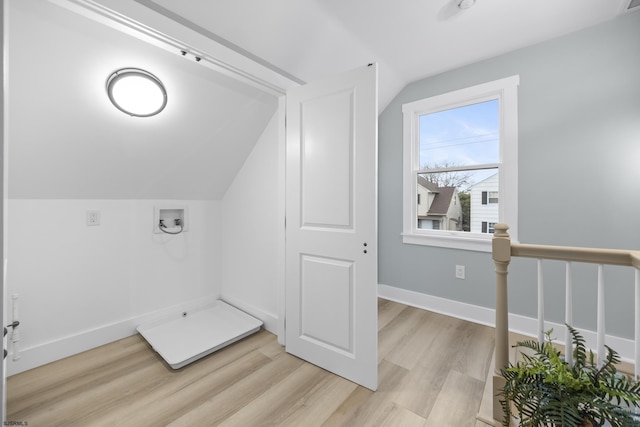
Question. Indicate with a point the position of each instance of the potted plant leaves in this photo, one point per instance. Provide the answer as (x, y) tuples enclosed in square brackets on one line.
[(543, 390)]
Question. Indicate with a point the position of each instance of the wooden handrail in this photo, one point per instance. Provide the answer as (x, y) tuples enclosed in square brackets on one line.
[(503, 250), (635, 259), (577, 254)]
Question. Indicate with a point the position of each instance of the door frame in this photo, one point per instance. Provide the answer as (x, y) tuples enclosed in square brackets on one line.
[(3, 204), (282, 207)]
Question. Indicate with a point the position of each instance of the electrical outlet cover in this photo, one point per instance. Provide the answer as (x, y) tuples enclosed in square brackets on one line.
[(93, 217)]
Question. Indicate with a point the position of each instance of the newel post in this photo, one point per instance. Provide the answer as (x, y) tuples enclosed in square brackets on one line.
[(501, 253)]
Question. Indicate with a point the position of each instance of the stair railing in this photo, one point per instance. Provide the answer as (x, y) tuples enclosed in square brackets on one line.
[(502, 251)]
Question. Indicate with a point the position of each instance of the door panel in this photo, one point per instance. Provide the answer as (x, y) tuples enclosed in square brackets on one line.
[(331, 243), (327, 145), (327, 282)]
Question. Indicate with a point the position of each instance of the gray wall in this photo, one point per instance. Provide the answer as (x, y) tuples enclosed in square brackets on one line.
[(579, 174)]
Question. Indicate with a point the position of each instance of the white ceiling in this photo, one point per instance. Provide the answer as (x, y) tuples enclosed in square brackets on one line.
[(67, 141), (410, 39)]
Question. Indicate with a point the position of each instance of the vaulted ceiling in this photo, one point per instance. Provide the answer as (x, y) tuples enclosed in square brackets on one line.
[(410, 39), (67, 141)]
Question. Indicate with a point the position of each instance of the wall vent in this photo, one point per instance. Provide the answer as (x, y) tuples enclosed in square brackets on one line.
[(629, 6)]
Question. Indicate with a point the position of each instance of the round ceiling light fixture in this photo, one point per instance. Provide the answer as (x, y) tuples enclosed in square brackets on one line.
[(136, 92)]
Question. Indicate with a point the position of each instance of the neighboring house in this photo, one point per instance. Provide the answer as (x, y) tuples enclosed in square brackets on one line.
[(484, 205), (438, 207)]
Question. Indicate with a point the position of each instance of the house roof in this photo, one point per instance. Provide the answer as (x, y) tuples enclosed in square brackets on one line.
[(442, 201), (442, 197), (428, 184), (491, 177)]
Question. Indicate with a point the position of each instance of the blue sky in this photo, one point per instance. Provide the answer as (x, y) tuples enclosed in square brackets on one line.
[(461, 136), (467, 135)]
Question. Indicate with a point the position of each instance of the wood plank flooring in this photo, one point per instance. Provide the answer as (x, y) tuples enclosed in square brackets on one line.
[(432, 370)]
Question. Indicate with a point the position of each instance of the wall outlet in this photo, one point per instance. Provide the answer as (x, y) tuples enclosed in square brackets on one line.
[(460, 272), (93, 217)]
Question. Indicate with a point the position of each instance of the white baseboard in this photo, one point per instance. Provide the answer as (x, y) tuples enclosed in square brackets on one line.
[(270, 320), (523, 325), (51, 351), (44, 353), (460, 310)]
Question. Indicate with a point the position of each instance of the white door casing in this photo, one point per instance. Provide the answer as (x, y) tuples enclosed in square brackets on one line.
[(3, 201), (331, 230)]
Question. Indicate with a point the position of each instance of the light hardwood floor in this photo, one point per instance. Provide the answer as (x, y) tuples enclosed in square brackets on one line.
[(432, 370)]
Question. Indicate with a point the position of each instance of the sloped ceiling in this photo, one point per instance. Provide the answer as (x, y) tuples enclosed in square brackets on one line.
[(410, 39), (67, 141)]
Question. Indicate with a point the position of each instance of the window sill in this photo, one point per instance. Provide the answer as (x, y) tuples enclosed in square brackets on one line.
[(451, 240)]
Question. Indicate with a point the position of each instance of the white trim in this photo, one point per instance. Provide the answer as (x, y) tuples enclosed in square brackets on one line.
[(270, 320), (150, 26), (522, 325), (506, 91), (449, 100), (281, 201), (60, 348), (450, 239), (459, 310), (57, 349)]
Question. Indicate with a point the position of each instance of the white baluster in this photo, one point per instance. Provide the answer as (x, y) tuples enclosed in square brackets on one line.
[(568, 314), (601, 327), (540, 304)]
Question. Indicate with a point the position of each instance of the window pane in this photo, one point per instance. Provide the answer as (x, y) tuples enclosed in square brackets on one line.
[(463, 136), (458, 201)]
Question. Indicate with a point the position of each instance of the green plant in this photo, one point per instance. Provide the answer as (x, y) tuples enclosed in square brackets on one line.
[(546, 391)]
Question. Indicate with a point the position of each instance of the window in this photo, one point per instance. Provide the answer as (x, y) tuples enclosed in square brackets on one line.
[(460, 154), (488, 227), (489, 197)]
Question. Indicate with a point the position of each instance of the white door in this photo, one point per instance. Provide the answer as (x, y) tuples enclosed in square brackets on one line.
[(331, 210), (3, 194)]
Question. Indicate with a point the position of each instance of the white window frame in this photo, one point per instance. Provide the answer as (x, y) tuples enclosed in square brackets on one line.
[(506, 91)]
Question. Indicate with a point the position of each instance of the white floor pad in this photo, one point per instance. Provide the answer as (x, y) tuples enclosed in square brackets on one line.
[(183, 339)]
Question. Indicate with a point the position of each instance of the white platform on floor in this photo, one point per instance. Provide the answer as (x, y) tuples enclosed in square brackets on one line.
[(188, 336)]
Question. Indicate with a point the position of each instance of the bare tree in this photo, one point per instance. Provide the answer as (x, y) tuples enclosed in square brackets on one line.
[(448, 178)]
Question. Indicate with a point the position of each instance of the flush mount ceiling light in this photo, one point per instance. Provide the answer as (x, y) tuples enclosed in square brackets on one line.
[(136, 92)]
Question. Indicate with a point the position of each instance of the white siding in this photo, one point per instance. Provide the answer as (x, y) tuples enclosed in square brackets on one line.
[(454, 214), (483, 213), (425, 200)]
